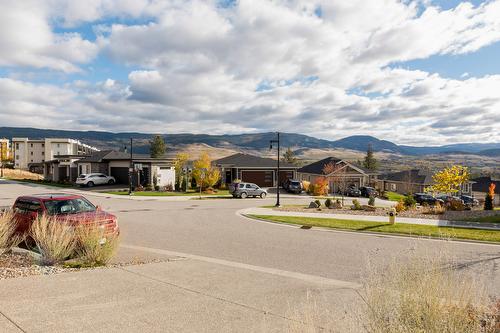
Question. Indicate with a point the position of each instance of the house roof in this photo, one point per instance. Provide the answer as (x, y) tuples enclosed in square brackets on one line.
[(241, 160), (482, 184), (317, 167), (415, 176), (112, 155)]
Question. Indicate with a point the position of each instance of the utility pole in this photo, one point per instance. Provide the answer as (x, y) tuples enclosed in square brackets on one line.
[(277, 141), (131, 169)]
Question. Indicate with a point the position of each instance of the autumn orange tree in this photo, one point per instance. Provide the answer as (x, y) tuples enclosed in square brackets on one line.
[(319, 186), (488, 201), (449, 180), (205, 174)]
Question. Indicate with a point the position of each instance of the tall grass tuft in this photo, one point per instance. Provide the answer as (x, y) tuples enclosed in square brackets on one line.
[(90, 249), (8, 237), (54, 239), (425, 295)]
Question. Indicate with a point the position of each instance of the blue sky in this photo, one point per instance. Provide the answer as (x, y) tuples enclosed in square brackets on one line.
[(418, 76)]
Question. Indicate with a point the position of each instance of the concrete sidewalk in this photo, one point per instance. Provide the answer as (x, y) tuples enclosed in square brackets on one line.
[(374, 218), (184, 295)]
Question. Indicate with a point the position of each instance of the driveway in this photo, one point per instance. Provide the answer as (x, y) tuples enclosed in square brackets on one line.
[(221, 270)]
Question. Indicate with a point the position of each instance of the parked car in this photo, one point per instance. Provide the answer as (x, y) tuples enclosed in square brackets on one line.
[(92, 179), (352, 191), (450, 199), (67, 208), (425, 198), (245, 190), (469, 201), (368, 192), (293, 186)]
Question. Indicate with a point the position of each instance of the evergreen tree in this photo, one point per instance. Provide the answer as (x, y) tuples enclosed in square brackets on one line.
[(289, 156), (157, 146), (370, 162)]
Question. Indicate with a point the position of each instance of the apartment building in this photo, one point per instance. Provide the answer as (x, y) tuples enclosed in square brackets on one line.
[(31, 154), (4, 149)]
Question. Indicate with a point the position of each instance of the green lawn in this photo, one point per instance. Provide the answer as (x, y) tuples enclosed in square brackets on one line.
[(490, 219), (393, 196), (404, 229), (169, 194)]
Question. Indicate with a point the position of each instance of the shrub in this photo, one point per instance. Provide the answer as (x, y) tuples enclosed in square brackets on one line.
[(90, 251), (488, 202), (456, 205), (305, 185), (400, 206), (356, 205), (157, 187), (437, 209), (8, 238), (409, 201), (317, 203), (148, 188), (371, 201), (423, 296), (319, 187), (328, 203), (54, 239)]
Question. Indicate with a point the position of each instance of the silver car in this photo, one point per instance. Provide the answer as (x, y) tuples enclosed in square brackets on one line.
[(245, 190)]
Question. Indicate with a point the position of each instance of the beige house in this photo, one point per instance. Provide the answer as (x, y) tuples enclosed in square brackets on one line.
[(346, 174)]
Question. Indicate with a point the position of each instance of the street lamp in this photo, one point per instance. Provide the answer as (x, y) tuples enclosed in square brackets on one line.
[(277, 141), (131, 169)]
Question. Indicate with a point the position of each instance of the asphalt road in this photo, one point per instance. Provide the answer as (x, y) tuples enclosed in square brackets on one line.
[(212, 234)]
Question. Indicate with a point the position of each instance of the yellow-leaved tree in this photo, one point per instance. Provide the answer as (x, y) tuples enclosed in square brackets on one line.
[(205, 174), (181, 160), (449, 180)]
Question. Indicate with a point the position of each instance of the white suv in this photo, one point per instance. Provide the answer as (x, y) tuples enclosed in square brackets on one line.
[(92, 179)]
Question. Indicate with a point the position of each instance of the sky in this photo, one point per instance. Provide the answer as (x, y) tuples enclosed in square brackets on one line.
[(419, 72)]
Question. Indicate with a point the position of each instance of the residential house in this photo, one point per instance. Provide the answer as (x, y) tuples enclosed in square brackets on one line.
[(253, 169), (117, 164), (413, 181), (345, 174), (30, 154), (481, 186)]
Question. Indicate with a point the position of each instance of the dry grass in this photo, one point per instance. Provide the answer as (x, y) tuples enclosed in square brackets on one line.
[(425, 295), (90, 250), (21, 174), (54, 239), (8, 238)]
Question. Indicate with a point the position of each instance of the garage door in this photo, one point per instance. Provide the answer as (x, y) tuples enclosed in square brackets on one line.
[(120, 174), (261, 178), (284, 175)]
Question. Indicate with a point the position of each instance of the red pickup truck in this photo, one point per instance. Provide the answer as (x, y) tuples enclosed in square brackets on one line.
[(68, 208)]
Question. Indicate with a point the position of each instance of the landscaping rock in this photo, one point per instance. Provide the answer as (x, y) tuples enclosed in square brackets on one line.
[(369, 208), (313, 205)]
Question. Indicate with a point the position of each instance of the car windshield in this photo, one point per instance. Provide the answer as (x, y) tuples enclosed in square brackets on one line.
[(69, 206)]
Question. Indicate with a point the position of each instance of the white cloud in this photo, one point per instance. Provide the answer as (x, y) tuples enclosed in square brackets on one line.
[(197, 67)]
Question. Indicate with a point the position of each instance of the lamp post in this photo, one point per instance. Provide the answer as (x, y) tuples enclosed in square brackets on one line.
[(131, 169), (1, 159), (277, 141)]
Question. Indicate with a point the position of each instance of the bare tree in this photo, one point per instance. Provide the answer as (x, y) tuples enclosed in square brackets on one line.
[(336, 174)]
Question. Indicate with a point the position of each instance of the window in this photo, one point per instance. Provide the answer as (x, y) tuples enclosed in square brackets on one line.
[(58, 145), (465, 188), (71, 206), (17, 145), (31, 145), (17, 157), (43, 153), (27, 206), (43, 144), (393, 187), (31, 153)]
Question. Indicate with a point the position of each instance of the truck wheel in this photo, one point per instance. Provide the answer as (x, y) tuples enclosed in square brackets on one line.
[(90, 184), (243, 195), (263, 195)]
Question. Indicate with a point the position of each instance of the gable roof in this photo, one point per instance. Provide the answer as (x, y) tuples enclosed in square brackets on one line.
[(415, 176), (317, 167), (241, 160), (113, 155)]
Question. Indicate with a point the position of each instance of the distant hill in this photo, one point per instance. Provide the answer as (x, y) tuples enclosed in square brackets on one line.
[(257, 141)]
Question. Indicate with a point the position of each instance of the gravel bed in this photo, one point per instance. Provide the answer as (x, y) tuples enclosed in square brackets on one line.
[(14, 265), (414, 213)]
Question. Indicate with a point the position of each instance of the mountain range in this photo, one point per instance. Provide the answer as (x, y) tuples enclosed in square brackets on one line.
[(257, 141)]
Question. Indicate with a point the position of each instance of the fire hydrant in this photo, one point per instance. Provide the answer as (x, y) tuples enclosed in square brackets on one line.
[(392, 215)]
